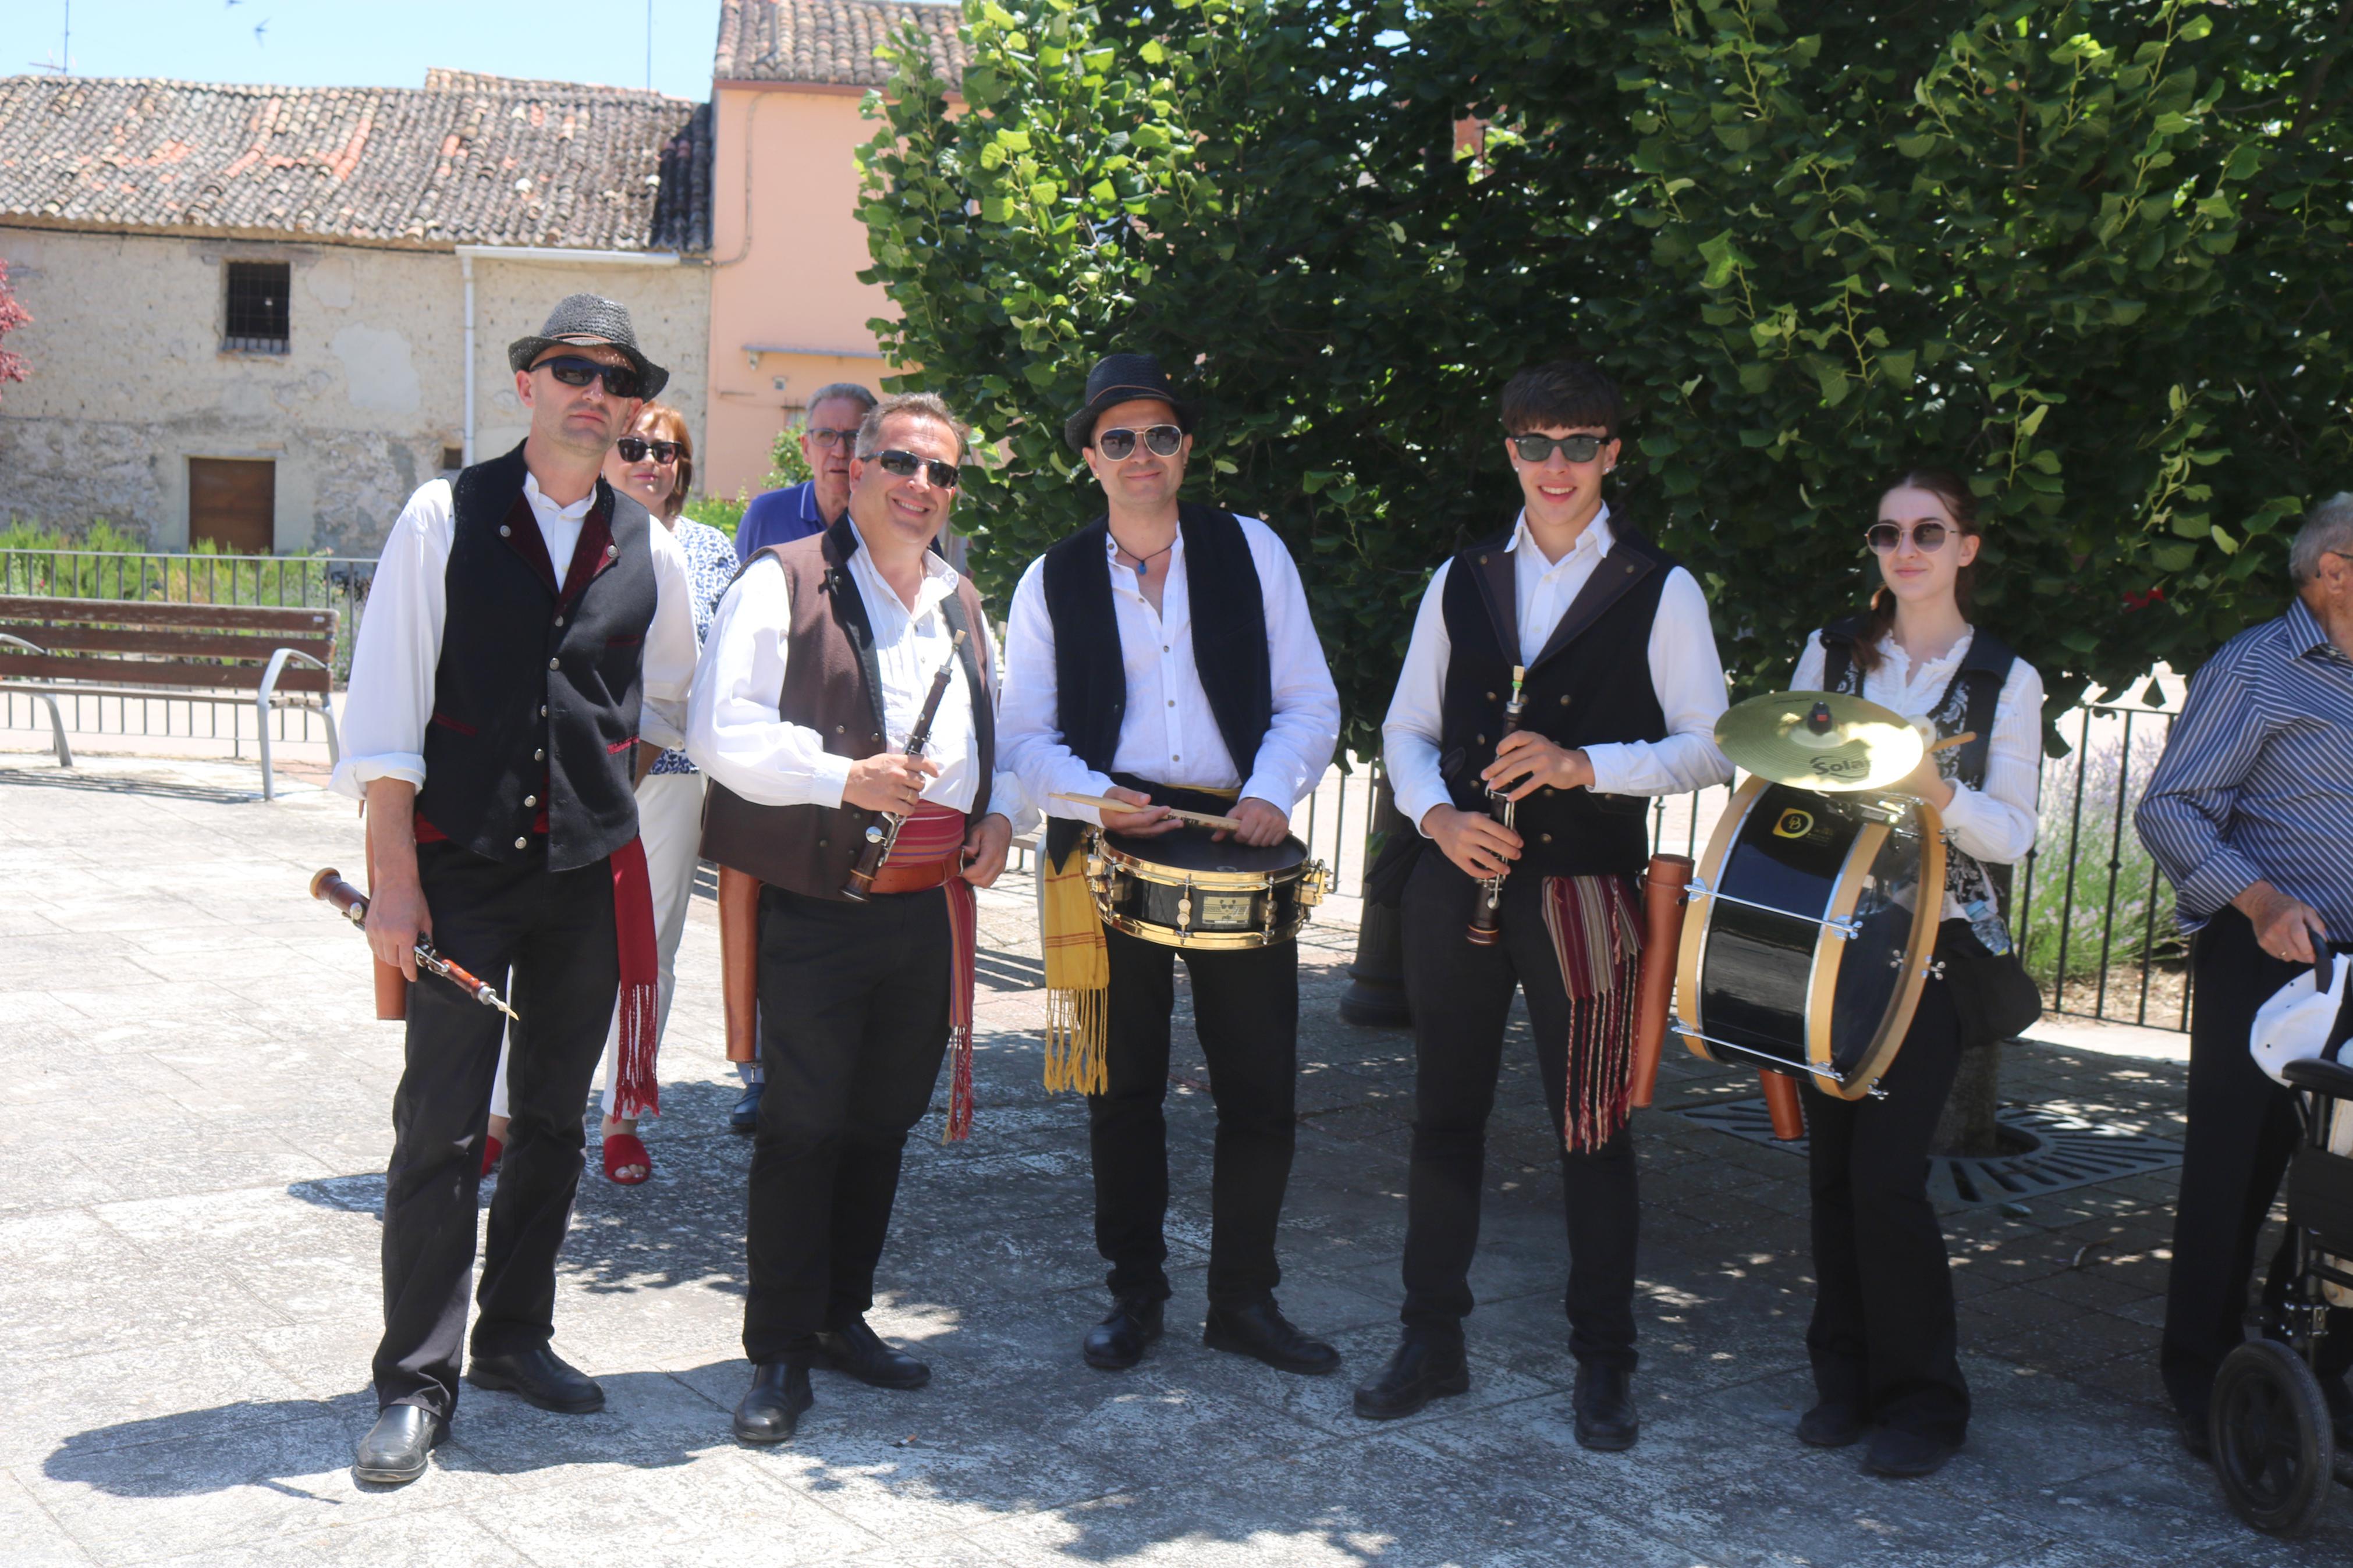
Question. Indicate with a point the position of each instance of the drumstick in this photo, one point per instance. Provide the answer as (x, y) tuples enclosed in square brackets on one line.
[(1946, 744), (1103, 803)]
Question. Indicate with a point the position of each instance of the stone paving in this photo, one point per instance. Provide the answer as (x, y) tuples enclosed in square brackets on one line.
[(190, 1168)]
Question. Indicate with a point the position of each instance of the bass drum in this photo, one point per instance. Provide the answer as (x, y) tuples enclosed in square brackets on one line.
[(1814, 919), (1187, 889)]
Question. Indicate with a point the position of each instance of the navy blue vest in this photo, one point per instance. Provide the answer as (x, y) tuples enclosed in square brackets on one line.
[(535, 698)]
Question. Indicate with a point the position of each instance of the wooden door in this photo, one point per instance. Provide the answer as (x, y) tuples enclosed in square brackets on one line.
[(233, 501)]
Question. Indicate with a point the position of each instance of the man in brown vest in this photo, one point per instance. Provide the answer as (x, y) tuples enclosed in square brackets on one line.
[(816, 672)]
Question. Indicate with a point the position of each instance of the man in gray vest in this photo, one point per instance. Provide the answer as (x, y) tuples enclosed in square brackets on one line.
[(1164, 656), (826, 658), (517, 617)]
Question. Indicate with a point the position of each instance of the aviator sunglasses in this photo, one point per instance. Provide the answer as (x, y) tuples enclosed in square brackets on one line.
[(1161, 440), (1888, 538), (574, 370), (1534, 448), (633, 450), (944, 476)]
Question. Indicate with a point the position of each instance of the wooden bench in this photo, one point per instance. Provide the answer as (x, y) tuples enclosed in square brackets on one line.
[(221, 653)]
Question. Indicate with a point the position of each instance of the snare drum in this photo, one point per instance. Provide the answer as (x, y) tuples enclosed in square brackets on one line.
[(1813, 919), (1186, 890)]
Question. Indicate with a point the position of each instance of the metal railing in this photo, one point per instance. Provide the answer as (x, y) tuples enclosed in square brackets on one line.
[(159, 577)]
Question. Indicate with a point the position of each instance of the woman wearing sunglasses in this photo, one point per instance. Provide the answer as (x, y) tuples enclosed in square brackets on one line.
[(654, 465), (1883, 1341)]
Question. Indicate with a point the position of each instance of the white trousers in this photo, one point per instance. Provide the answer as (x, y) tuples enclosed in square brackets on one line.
[(670, 822)]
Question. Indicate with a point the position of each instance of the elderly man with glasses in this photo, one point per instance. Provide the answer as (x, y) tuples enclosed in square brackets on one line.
[(826, 658), (528, 625), (2248, 814)]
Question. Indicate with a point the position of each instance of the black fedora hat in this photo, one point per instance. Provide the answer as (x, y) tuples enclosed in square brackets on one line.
[(582, 318), (1115, 379)]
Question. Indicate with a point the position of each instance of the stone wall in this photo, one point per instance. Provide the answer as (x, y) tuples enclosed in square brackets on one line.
[(129, 379)]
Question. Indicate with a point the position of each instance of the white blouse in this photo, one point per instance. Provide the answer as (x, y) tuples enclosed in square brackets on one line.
[(1995, 826)]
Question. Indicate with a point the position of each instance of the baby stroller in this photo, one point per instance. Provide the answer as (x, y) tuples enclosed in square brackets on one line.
[(2270, 1422)]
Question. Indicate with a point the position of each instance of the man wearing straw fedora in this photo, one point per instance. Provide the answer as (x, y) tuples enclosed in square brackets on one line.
[(530, 631), (1163, 657)]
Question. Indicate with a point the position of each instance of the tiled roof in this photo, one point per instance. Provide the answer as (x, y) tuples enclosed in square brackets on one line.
[(828, 42), (468, 160)]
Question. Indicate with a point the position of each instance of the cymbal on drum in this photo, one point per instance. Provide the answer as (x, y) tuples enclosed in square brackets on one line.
[(1823, 740)]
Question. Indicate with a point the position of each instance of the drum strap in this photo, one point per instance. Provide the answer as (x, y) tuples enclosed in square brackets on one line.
[(1597, 938)]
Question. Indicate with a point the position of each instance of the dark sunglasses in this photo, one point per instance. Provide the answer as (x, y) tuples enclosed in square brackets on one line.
[(1576, 449), (1161, 440), (633, 450), (573, 370), (1888, 538), (944, 476)]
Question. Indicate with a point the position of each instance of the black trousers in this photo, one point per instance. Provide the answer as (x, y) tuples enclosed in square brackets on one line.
[(1884, 1340), (1462, 998), (2242, 1131), (552, 932), (1246, 1012), (853, 1024)]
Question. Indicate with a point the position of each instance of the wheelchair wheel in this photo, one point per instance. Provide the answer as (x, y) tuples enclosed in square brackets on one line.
[(2271, 1436)]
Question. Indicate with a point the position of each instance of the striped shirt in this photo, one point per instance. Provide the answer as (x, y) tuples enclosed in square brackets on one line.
[(2256, 783)]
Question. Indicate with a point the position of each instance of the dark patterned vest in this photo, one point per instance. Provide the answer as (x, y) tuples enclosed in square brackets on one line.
[(536, 698)]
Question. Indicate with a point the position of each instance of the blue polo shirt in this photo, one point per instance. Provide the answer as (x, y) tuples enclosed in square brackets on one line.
[(778, 517)]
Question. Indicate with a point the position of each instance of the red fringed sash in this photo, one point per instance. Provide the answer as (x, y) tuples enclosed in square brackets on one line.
[(637, 1089), (1596, 935), (932, 841)]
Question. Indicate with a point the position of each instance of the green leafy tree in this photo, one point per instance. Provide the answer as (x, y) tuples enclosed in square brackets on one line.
[(2081, 252)]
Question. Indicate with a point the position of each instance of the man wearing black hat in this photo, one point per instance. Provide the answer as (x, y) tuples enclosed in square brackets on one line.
[(1123, 681), (530, 631)]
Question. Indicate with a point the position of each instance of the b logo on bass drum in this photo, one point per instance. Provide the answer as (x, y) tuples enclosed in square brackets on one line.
[(1794, 824)]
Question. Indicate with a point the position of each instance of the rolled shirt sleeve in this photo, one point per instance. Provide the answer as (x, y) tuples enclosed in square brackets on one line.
[(734, 730), (397, 652)]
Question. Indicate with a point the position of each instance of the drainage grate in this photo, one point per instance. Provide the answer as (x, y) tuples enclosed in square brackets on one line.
[(2053, 1153)]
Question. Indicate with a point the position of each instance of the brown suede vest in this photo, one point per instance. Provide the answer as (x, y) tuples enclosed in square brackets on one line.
[(832, 685)]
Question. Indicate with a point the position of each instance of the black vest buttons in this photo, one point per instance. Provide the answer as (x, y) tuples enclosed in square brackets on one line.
[(613, 549), (840, 729), (543, 710), (559, 620), (523, 843), (531, 800), (505, 533), (553, 664), (1563, 699), (1491, 697), (1546, 837), (820, 843), (1478, 740), (539, 756), (878, 736)]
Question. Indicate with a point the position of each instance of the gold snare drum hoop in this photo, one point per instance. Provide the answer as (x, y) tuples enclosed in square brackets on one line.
[(1198, 891), (1830, 950)]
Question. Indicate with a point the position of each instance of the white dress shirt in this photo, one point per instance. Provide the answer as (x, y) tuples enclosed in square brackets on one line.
[(735, 732), (1997, 825), (395, 662), (1687, 677), (1168, 733)]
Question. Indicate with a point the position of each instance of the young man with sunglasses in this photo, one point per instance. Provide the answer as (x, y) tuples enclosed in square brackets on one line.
[(1578, 602), (1164, 656), (819, 666), (530, 631), (828, 432)]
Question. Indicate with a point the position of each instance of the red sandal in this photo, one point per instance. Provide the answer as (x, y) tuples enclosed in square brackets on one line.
[(624, 1151)]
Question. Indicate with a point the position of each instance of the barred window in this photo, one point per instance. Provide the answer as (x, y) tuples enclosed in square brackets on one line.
[(258, 307)]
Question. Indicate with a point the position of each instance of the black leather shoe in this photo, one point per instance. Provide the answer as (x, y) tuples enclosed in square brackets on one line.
[(859, 1352), (1262, 1331), (1830, 1425), (745, 1117), (771, 1409), (1117, 1342), (2198, 1437), (538, 1376), (1427, 1365), (1900, 1454), (1604, 1405), (392, 1453)]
